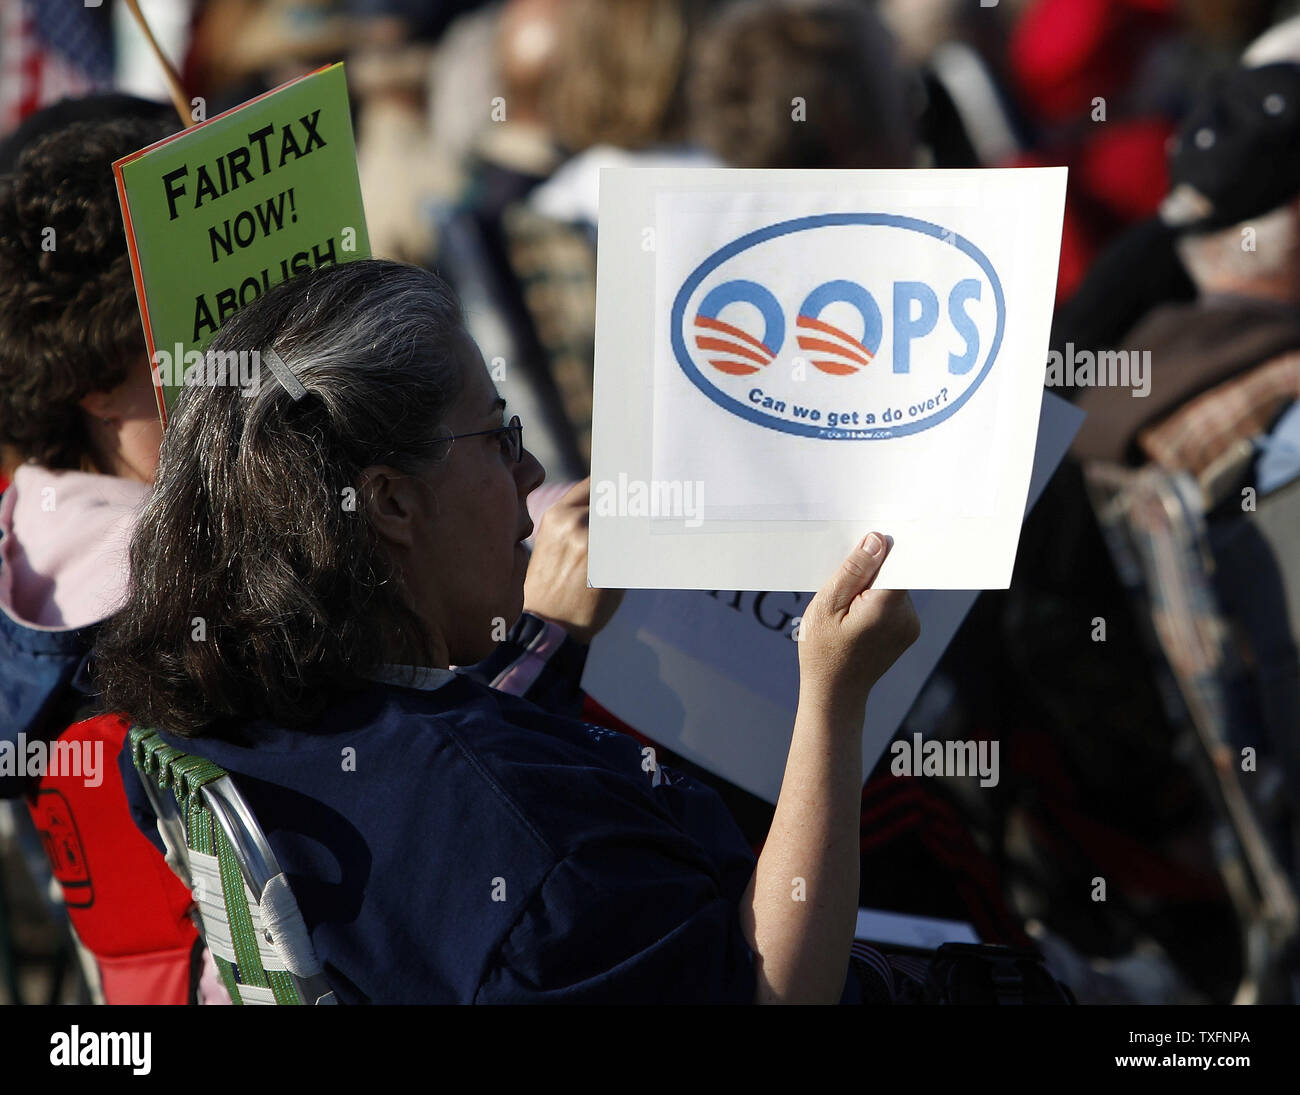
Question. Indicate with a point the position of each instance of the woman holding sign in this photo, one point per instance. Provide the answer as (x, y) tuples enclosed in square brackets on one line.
[(352, 529)]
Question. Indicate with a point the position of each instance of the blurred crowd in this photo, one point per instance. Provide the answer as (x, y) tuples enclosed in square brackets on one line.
[(481, 129)]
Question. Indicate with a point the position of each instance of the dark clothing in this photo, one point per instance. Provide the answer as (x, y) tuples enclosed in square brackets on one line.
[(1193, 348), (1137, 271), (43, 686), (479, 849)]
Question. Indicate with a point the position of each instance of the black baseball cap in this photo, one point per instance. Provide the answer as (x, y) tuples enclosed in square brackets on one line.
[(1237, 154)]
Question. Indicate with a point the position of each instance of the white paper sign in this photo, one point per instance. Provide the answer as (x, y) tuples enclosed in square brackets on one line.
[(714, 675), (786, 360)]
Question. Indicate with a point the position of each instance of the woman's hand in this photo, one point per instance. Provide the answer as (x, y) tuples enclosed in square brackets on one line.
[(850, 633), (555, 587)]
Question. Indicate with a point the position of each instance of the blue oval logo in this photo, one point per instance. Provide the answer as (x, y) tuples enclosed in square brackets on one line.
[(870, 350)]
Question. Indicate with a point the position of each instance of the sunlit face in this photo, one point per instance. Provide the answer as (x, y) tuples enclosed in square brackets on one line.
[(469, 567)]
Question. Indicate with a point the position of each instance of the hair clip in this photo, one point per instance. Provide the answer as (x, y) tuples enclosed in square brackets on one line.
[(284, 374)]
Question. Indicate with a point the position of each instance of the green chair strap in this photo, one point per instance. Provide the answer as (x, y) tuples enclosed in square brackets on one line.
[(185, 775), (169, 767), (228, 979)]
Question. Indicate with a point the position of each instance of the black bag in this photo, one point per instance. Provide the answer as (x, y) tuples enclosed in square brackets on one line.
[(985, 973)]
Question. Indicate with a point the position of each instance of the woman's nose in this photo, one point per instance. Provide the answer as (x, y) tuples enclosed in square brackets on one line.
[(530, 474)]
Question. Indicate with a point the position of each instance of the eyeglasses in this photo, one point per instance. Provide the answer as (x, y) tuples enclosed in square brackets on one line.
[(513, 431)]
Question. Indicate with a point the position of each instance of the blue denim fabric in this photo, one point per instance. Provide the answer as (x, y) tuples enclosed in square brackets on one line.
[(36, 669)]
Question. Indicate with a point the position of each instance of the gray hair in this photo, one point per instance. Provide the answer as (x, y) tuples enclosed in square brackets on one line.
[(255, 529), (1223, 257)]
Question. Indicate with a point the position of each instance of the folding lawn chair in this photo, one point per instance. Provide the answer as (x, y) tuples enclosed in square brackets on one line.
[(250, 920), (1155, 521)]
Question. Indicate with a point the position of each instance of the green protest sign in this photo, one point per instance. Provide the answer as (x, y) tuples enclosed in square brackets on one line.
[(219, 214)]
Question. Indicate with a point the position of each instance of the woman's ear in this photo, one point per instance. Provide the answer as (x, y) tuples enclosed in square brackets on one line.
[(396, 503), (101, 405), (123, 429)]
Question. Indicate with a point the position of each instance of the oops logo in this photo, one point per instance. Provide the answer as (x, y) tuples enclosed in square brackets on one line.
[(894, 333)]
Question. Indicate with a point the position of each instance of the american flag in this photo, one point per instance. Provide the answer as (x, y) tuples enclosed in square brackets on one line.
[(50, 50)]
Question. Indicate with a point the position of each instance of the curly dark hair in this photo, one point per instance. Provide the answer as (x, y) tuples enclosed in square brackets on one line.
[(69, 322), (256, 590)]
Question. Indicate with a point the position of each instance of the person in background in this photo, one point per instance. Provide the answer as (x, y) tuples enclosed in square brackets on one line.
[(1224, 377), (811, 85), (508, 158), (79, 419), (1235, 202), (613, 96)]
